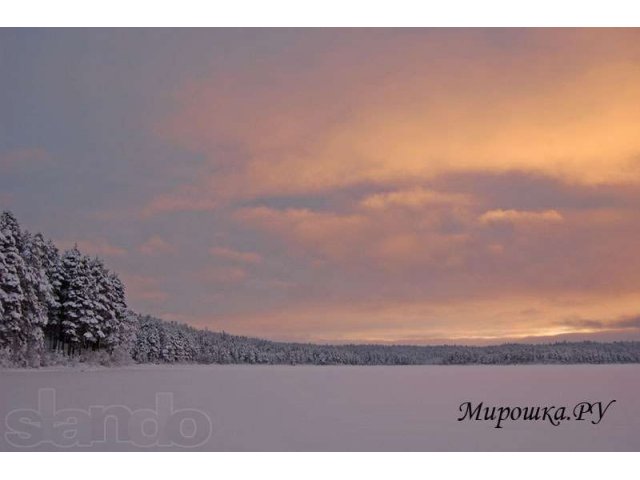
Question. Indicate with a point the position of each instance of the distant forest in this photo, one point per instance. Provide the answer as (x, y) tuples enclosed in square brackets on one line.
[(64, 308), (158, 341)]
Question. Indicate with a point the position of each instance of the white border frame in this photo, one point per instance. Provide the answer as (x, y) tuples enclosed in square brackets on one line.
[(325, 13)]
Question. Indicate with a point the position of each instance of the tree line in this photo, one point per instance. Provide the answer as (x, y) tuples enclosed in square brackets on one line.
[(158, 341), (59, 306)]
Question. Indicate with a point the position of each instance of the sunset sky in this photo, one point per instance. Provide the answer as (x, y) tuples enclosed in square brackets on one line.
[(409, 186)]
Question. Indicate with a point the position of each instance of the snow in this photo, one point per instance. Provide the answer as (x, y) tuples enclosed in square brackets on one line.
[(348, 408)]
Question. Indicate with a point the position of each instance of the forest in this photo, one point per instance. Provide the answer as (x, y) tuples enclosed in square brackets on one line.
[(62, 308)]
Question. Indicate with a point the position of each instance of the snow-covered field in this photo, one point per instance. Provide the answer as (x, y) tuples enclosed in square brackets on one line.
[(242, 407)]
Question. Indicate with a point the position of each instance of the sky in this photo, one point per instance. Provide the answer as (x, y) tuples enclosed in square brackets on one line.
[(369, 185)]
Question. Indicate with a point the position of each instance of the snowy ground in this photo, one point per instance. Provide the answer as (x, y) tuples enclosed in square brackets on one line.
[(241, 407)]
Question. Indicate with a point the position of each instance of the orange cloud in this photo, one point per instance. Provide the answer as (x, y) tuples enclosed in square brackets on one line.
[(185, 198), (565, 110), (387, 240), (465, 321), (95, 246), (520, 216), (328, 234), (416, 198), (5, 199), (223, 275), (23, 157), (143, 287), (156, 245), (410, 148), (235, 255)]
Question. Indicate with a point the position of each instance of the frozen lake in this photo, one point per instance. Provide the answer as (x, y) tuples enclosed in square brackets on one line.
[(242, 407)]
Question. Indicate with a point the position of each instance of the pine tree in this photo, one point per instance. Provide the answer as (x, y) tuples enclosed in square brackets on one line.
[(99, 318), (72, 298), (12, 328), (37, 295), (53, 267), (3, 268), (123, 331)]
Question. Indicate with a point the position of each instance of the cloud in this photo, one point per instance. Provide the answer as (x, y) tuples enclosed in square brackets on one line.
[(405, 185), (415, 198), (236, 255), (520, 216), (446, 248), (412, 110), (325, 233), (156, 245), (473, 320), (95, 246), (183, 199), (5, 199), (624, 323), (388, 241), (25, 157), (222, 275), (144, 288)]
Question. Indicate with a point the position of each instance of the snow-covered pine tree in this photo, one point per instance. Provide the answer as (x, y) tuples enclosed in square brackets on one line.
[(12, 328), (53, 267), (147, 347), (37, 295), (101, 321), (89, 322), (122, 335), (73, 291), (122, 351), (2, 275), (114, 292)]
